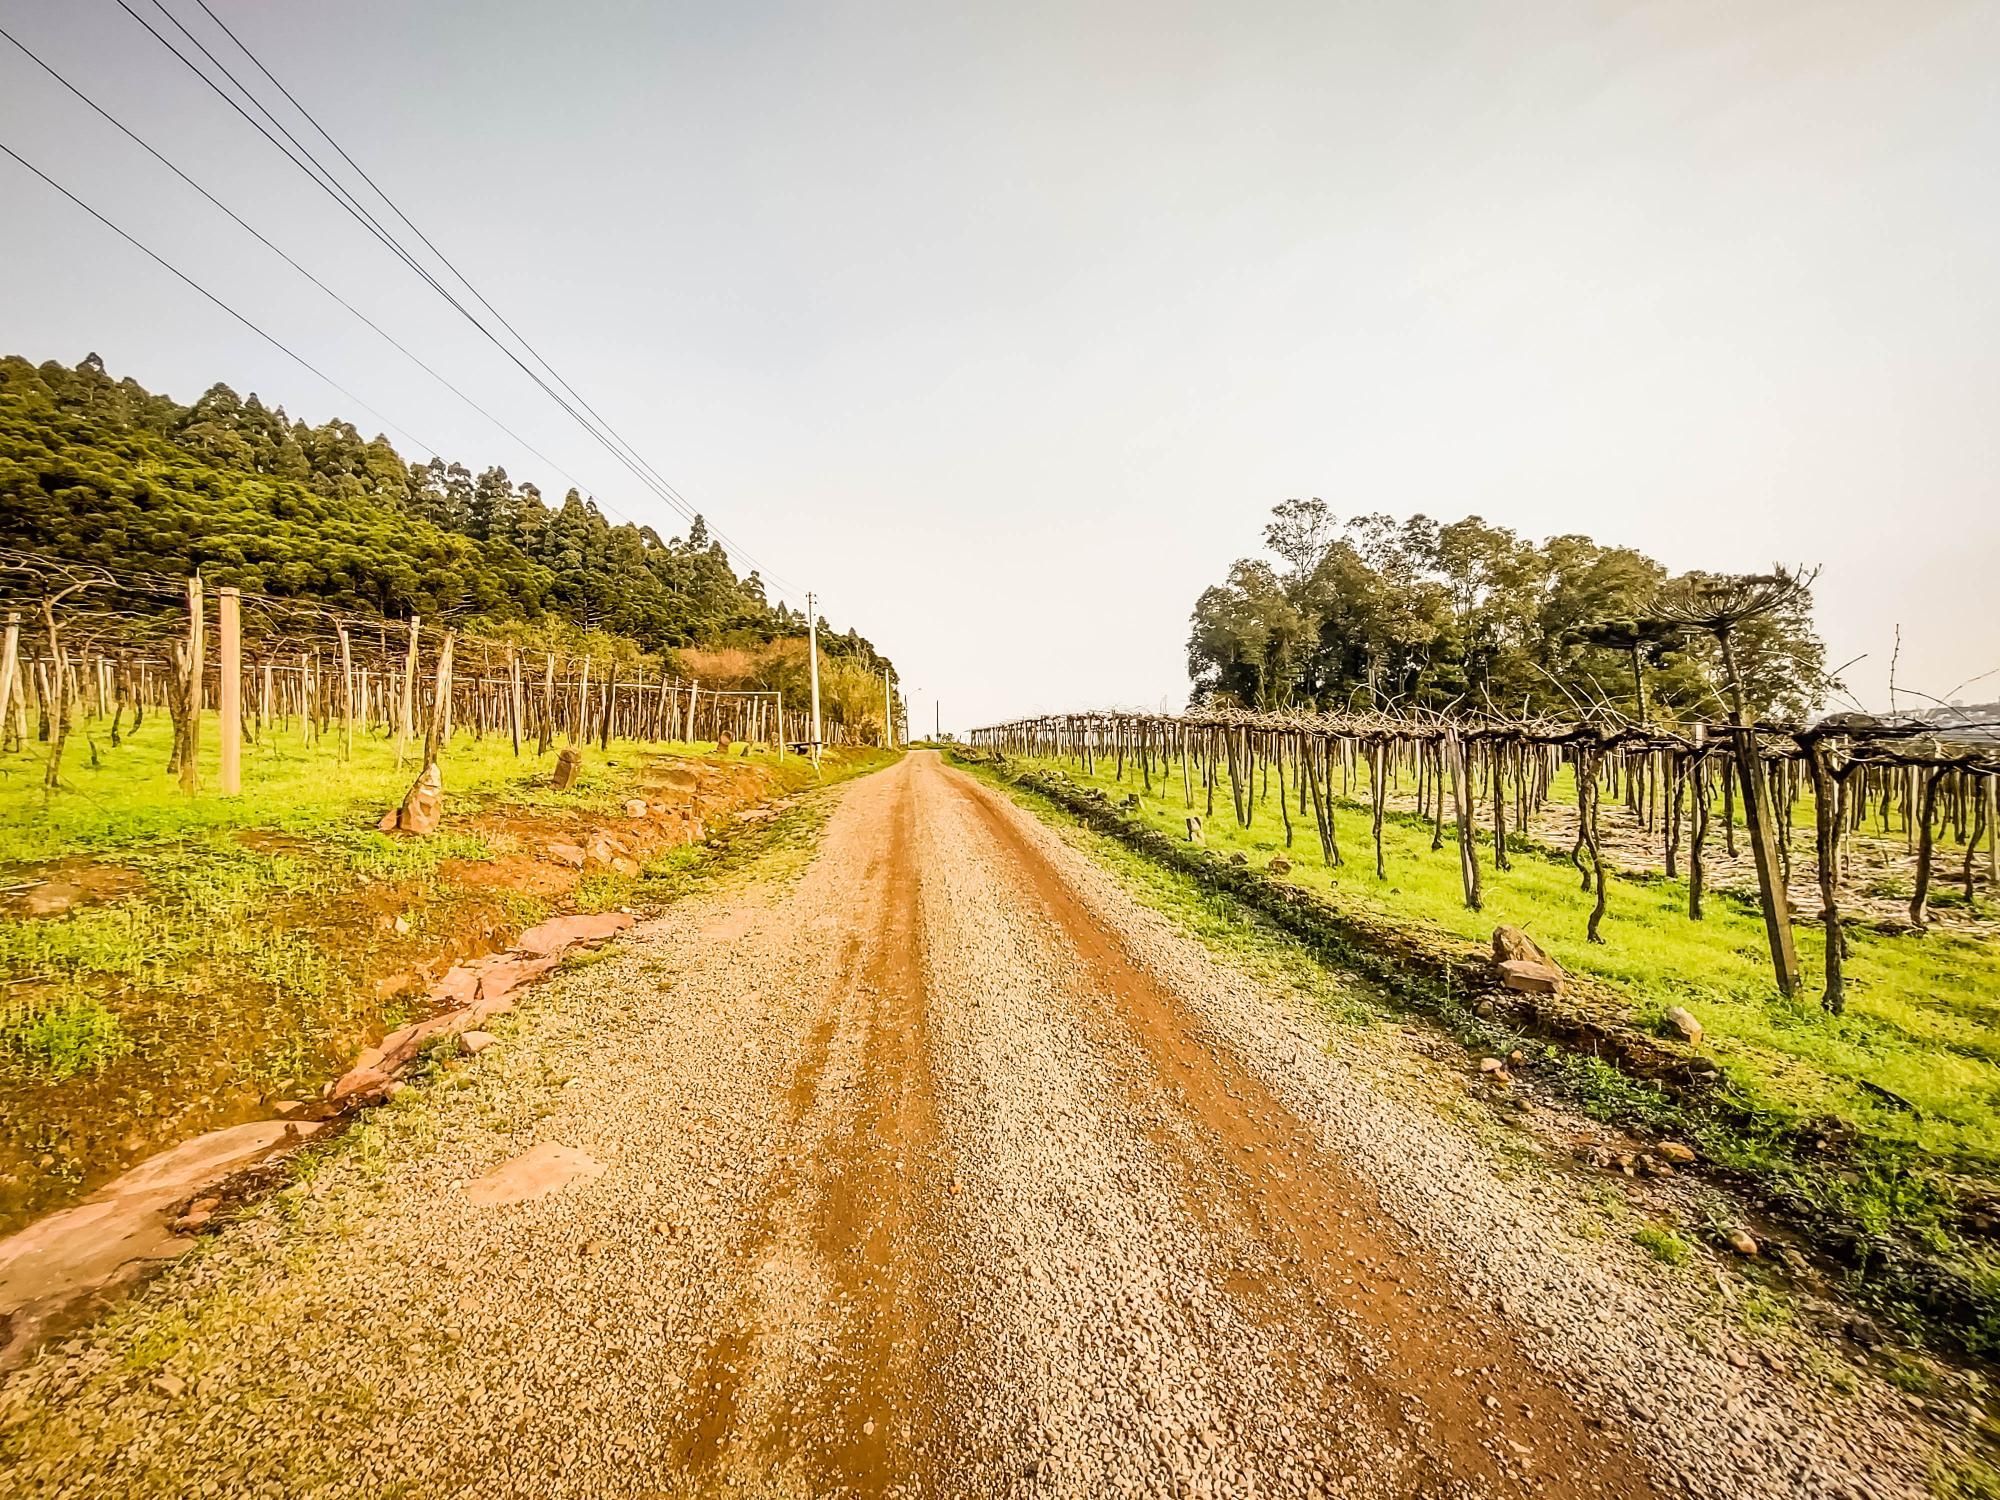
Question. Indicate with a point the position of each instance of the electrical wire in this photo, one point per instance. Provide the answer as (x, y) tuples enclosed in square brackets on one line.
[(169, 266), (447, 262), (302, 157), (263, 240)]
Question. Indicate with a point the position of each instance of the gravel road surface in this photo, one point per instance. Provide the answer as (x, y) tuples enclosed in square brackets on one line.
[(946, 1169)]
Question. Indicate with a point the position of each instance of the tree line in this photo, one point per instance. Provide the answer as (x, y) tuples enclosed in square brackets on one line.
[(102, 471), (1377, 612)]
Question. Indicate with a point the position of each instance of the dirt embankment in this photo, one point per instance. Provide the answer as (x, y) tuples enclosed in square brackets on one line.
[(320, 960)]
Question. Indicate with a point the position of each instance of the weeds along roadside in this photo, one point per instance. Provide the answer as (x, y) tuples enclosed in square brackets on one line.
[(229, 953), (1880, 1215)]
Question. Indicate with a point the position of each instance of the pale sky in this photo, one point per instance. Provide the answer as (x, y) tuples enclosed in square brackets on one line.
[(1003, 326)]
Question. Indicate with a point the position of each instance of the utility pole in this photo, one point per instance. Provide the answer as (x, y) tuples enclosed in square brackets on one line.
[(812, 665), (937, 719), (888, 713)]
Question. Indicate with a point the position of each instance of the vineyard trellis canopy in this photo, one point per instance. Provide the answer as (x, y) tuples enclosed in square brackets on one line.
[(1482, 775), (83, 643)]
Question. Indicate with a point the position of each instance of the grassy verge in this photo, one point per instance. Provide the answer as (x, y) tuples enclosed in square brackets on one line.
[(223, 953), (1780, 1103)]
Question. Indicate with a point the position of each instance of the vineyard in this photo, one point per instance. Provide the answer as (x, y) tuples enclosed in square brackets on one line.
[(1855, 1074), (213, 891)]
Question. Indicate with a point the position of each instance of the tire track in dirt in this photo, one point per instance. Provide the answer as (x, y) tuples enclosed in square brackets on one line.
[(1332, 1267), (833, 1378)]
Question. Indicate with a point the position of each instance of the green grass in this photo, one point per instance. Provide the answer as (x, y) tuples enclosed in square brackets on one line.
[(75, 1036), (1923, 1010), (1883, 1199), (1663, 1244), (289, 787), (234, 957)]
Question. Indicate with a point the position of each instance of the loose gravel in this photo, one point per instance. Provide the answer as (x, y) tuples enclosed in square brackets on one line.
[(947, 1170)]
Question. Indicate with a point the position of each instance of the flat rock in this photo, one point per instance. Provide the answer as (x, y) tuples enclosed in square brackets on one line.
[(52, 898), (1682, 1020), (472, 1043), (1513, 943), (558, 933), (535, 1173), (566, 854), (460, 986), (357, 1083), (504, 978), (1530, 976), (116, 1230)]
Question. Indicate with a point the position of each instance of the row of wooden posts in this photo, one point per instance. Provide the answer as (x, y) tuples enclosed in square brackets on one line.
[(1483, 777), (335, 691)]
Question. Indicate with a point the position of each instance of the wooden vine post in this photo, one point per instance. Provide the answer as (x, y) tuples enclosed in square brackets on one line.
[(406, 720), (10, 674), (197, 653), (229, 697)]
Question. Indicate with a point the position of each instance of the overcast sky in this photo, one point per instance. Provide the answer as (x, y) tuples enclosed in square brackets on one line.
[(1002, 326)]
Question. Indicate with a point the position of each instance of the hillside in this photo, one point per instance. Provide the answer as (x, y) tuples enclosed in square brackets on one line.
[(104, 471)]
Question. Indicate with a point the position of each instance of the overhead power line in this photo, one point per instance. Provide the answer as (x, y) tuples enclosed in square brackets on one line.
[(324, 176), (175, 270), (262, 239)]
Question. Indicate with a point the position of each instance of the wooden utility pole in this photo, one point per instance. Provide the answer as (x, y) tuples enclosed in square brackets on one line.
[(812, 666), (229, 700), (888, 713)]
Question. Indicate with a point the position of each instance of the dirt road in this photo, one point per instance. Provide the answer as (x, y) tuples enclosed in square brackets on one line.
[(945, 1169)]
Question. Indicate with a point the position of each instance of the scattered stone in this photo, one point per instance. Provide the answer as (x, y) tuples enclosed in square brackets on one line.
[(1279, 865), (55, 1262), (1740, 1240), (1239, 858), (423, 805), (508, 975), (635, 807), (558, 933), (1513, 945), (1529, 977), (459, 986), (287, 1109), (1682, 1020), (1675, 1152), (566, 854), (358, 1084), (535, 1173), (567, 765), (1491, 1065), (170, 1386), (472, 1043), (52, 898)]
